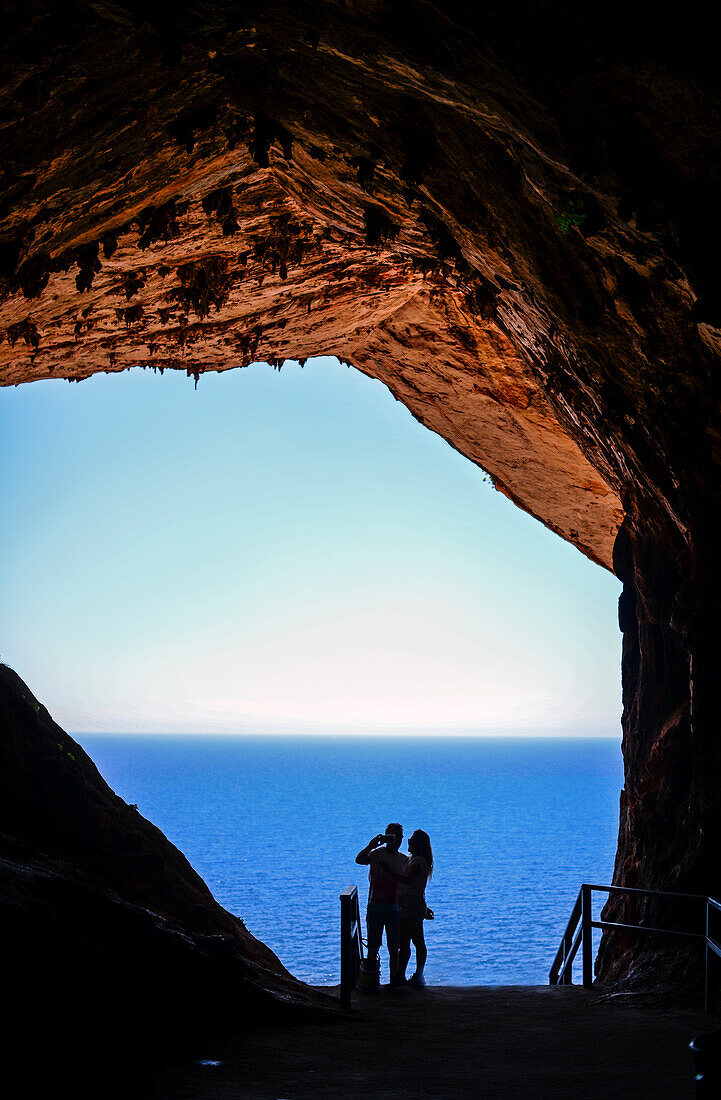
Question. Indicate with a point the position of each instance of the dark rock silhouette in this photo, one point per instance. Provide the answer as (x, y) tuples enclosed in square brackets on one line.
[(109, 933), (507, 212)]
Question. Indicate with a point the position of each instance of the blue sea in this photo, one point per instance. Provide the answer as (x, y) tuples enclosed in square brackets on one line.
[(273, 825)]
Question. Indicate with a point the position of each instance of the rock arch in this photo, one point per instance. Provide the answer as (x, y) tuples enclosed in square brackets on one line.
[(505, 214)]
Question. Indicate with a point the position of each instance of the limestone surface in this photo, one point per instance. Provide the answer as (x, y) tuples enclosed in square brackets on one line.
[(507, 212)]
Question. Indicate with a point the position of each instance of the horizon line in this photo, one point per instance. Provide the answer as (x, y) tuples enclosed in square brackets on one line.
[(448, 733)]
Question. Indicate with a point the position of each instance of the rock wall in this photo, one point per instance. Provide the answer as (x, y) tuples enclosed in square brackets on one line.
[(670, 821), (506, 212), (112, 940)]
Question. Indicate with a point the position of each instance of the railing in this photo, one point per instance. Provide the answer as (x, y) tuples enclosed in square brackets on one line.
[(351, 943), (579, 931), (713, 948)]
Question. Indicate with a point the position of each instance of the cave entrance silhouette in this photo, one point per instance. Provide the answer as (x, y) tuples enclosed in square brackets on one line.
[(506, 214)]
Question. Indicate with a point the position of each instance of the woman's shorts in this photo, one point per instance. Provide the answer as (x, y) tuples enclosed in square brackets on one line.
[(413, 907)]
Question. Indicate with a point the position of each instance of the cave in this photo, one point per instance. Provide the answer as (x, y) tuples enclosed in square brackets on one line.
[(507, 214)]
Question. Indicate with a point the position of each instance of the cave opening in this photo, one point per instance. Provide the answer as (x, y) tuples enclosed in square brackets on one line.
[(292, 553), (507, 215)]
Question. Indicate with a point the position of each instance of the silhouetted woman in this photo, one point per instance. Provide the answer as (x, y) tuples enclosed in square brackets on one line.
[(413, 904)]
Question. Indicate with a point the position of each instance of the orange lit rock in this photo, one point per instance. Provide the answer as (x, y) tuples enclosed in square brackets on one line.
[(505, 212)]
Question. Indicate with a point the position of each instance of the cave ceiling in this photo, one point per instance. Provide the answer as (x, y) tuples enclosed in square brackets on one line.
[(500, 218)]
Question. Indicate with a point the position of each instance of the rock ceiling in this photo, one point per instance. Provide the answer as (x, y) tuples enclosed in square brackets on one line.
[(504, 215), (157, 214)]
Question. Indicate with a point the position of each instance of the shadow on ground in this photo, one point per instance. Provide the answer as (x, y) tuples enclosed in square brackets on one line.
[(536, 1042)]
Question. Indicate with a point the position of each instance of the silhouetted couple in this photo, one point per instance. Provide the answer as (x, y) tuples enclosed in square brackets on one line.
[(397, 899)]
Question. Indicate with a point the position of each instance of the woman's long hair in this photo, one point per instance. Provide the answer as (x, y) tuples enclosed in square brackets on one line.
[(422, 842)]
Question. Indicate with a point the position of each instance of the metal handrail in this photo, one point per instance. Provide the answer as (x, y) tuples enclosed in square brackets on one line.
[(567, 951), (561, 972), (656, 893), (351, 943)]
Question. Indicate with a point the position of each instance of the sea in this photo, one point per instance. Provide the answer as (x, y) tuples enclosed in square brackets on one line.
[(273, 825)]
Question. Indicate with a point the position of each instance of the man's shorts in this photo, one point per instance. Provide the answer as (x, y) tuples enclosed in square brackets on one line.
[(379, 917)]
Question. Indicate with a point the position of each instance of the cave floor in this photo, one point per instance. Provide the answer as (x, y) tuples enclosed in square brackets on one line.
[(442, 1042)]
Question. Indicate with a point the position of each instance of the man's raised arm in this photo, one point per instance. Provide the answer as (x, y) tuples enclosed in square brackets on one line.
[(365, 853)]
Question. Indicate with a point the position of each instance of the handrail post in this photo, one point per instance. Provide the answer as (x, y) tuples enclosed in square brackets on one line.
[(345, 950), (708, 997), (351, 943), (357, 939), (586, 936)]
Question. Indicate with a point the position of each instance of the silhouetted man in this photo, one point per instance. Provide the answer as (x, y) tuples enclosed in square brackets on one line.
[(384, 909)]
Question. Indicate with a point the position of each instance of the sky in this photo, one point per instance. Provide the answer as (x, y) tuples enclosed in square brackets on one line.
[(280, 552)]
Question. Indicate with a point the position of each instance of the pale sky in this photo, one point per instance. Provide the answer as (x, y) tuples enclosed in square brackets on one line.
[(280, 552)]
